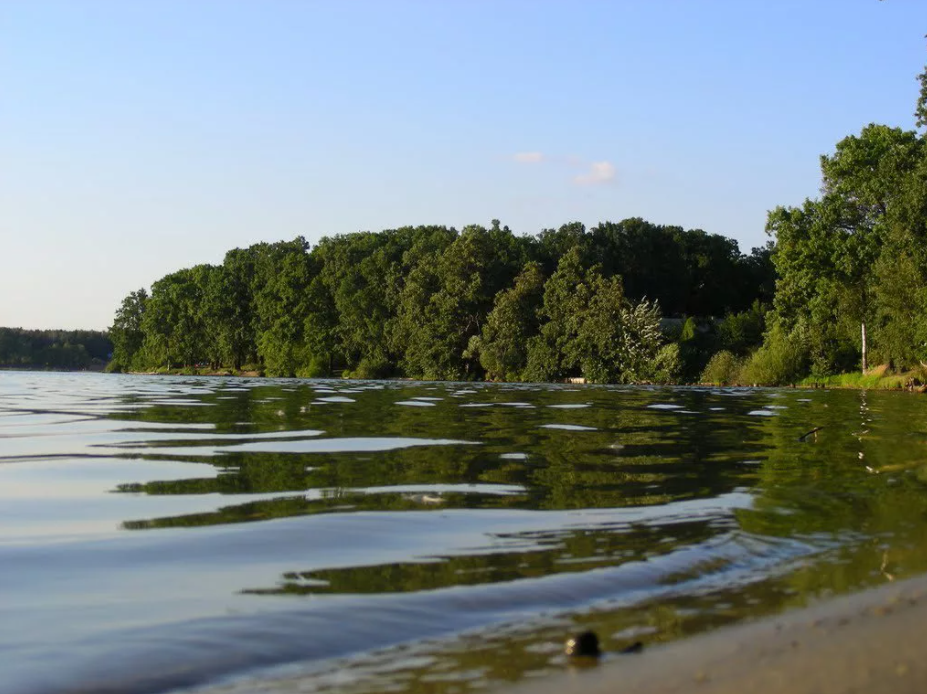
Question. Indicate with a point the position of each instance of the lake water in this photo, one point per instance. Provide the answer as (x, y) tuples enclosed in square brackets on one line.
[(242, 535)]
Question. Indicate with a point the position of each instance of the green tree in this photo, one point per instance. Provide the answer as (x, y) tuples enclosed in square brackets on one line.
[(739, 333), (617, 341), (359, 275), (237, 284), (837, 257), (688, 272), (126, 332), (503, 344), (650, 259), (920, 111), (553, 244), (282, 307), (172, 321), (551, 354), (446, 301)]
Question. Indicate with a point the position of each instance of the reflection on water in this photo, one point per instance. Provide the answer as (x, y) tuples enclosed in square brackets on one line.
[(423, 537)]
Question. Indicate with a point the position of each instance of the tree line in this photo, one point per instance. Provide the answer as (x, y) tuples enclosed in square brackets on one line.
[(432, 302), (53, 349)]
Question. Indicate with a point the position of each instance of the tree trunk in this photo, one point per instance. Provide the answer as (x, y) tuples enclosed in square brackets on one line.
[(865, 365)]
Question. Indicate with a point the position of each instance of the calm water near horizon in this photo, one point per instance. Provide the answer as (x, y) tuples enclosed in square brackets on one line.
[(259, 535)]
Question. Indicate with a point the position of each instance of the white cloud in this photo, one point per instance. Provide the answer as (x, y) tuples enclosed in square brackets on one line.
[(529, 157), (592, 173), (599, 172)]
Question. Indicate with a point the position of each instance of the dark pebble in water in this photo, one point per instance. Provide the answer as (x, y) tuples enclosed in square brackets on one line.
[(585, 645)]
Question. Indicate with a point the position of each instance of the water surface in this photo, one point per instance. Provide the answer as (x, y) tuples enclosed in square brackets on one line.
[(235, 535)]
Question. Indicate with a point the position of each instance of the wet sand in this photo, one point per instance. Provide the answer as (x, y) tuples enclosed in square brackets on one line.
[(872, 641)]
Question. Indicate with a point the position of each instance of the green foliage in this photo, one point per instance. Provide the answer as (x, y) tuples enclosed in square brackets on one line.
[(782, 360), (434, 303), (920, 112), (543, 362), (503, 344), (686, 272), (172, 323), (723, 369), (590, 329), (282, 306), (554, 244), (689, 330), (716, 352), (816, 300), (369, 368), (854, 261), (447, 299), (742, 332), (554, 353), (666, 366), (871, 381), (315, 368), (619, 341), (238, 319)]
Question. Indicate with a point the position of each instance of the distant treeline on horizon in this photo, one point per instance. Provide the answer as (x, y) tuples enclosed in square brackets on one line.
[(432, 302), (53, 349)]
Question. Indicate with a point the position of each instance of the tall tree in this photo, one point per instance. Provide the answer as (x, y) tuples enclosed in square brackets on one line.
[(446, 301), (616, 342), (126, 331), (172, 321), (237, 287), (282, 306), (920, 111), (502, 345), (551, 354)]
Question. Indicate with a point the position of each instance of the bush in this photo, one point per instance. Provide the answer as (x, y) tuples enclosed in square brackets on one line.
[(723, 369), (543, 361), (115, 367), (370, 368), (666, 366), (316, 368), (780, 361)]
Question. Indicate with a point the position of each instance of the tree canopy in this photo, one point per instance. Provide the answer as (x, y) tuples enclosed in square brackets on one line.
[(433, 302)]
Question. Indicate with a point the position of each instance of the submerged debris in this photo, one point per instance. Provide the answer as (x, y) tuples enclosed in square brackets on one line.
[(806, 435), (586, 645)]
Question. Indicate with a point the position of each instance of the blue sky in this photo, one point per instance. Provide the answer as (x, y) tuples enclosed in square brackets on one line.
[(140, 137)]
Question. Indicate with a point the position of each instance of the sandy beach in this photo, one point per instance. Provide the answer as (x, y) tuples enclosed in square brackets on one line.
[(867, 642)]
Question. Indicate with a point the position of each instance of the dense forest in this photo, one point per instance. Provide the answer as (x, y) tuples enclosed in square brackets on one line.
[(432, 302), (841, 285), (53, 349)]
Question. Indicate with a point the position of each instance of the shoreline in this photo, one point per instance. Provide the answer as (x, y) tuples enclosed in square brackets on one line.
[(863, 642), (93, 368), (889, 386)]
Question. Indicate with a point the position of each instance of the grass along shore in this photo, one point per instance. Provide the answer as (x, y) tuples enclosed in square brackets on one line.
[(725, 369)]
